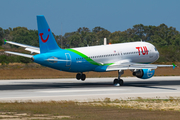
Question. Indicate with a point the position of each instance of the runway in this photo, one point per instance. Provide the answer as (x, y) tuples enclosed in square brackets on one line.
[(91, 89)]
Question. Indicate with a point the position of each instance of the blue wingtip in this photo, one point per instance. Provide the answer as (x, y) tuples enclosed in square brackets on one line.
[(4, 41), (174, 65)]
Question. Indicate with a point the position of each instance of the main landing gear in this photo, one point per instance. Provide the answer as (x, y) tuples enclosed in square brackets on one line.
[(81, 76), (119, 82)]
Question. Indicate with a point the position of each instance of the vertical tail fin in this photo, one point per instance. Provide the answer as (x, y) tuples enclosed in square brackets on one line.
[(46, 39)]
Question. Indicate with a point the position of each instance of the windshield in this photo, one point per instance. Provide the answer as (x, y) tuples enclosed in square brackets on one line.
[(155, 49)]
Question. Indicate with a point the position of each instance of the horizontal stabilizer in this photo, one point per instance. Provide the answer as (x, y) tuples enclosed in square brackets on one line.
[(19, 54)]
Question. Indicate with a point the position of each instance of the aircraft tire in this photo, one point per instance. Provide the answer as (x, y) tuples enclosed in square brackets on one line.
[(121, 82), (83, 77), (78, 76), (116, 81)]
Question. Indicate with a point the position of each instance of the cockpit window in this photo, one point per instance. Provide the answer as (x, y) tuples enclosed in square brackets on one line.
[(155, 49)]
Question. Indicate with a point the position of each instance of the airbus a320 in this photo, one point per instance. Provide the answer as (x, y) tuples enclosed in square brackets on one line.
[(134, 56)]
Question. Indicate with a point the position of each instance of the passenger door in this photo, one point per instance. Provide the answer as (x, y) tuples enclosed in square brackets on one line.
[(68, 58)]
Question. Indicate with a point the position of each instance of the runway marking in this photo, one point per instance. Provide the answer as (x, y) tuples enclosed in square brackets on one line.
[(83, 90), (99, 95)]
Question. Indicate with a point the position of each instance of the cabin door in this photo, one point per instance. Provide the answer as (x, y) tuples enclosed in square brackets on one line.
[(68, 58)]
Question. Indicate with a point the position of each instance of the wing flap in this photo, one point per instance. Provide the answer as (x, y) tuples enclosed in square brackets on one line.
[(131, 66), (125, 65), (165, 65)]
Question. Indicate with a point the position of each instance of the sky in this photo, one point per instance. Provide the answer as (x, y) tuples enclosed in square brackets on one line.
[(69, 15)]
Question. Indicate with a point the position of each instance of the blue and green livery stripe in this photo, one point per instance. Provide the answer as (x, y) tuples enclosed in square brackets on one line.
[(87, 58)]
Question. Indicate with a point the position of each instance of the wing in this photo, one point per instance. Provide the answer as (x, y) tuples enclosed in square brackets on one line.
[(19, 54), (133, 66), (32, 49)]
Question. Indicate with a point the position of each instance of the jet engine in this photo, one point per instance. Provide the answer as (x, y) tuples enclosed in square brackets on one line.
[(144, 73)]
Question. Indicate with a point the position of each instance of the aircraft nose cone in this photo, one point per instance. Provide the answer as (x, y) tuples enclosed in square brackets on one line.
[(157, 55)]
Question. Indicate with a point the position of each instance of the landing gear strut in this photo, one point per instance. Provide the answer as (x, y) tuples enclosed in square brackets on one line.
[(119, 82), (81, 76)]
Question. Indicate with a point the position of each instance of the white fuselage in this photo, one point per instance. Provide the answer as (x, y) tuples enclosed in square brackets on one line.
[(138, 52)]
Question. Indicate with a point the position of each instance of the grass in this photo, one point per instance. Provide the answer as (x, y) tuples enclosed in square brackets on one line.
[(35, 71), (144, 104), (96, 110)]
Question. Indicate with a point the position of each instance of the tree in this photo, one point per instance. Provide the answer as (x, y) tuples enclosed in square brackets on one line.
[(3, 59), (1, 33), (97, 29), (166, 39), (75, 40), (1, 43), (91, 39), (84, 29), (139, 30), (114, 37)]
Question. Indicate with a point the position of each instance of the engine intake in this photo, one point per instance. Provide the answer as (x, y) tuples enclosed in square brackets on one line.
[(138, 73), (144, 73)]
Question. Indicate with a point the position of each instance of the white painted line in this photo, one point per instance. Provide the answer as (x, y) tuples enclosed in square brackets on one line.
[(83, 90)]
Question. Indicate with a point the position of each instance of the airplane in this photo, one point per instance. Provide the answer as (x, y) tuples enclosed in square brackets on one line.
[(133, 56)]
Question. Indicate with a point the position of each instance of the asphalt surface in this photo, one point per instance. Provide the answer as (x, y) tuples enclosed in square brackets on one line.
[(91, 89)]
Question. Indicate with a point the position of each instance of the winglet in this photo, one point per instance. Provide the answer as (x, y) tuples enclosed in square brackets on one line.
[(5, 41), (174, 65)]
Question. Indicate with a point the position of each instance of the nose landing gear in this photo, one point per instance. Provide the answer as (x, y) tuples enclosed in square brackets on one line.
[(81, 76)]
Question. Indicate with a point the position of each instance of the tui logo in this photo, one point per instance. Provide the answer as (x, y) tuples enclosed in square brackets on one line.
[(140, 50), (41, 34)]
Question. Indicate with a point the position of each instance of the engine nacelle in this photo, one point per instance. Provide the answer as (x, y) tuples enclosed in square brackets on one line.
[(144, 73)]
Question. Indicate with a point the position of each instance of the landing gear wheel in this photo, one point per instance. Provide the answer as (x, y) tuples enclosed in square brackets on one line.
[(121, 82), (78, 76), (83, 77), (118, 82)]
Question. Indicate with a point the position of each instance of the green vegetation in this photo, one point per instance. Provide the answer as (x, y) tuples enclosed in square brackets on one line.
[(166, 39), (4, 59)]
